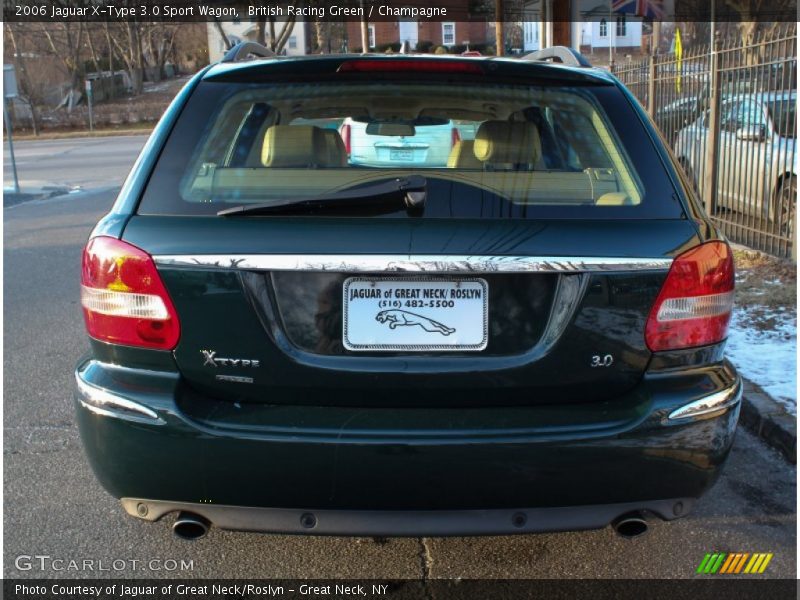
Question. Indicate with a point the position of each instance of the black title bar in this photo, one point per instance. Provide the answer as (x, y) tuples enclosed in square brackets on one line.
[(393, 10), (441, 589)]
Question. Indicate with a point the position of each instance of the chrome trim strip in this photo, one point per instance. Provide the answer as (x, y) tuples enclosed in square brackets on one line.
[(102, 402), (414, 263), (713, 403)]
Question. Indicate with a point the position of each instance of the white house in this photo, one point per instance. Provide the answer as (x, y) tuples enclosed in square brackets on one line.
[(593, 25), (618, 31), (531, 32), (240, 31)]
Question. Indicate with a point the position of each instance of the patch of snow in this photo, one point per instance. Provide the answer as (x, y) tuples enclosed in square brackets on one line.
[(156, 87), (766, 356)]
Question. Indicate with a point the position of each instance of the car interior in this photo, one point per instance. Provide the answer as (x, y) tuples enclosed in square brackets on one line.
[(528, 145)]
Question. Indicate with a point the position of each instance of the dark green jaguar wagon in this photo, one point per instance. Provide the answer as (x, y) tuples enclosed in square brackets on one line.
[(406, 295)]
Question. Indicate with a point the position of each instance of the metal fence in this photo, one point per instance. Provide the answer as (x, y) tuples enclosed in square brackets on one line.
[(730, 118)]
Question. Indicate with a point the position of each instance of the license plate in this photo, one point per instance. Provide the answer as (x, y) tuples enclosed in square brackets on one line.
[(401, 155), (415, 315)]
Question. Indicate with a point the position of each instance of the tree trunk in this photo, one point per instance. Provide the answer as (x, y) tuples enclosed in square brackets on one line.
[(135, 62), (93, 53), (272, 34), (34, 117), (364, 30), (167, 48), (500, 49), (222, 34), (113, 91), (284, 35), (261, 32), (323, 36), (24, 81), (137, 80)]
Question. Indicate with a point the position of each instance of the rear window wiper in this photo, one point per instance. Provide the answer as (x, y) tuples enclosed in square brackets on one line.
[(400, 192)]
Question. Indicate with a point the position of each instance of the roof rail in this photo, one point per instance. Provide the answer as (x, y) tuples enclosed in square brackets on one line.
[(243, 50), (562, 54)]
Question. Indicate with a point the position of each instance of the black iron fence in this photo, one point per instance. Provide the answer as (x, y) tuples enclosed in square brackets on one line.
[(730, 117)]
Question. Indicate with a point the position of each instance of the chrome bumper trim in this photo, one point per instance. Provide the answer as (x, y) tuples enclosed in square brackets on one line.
[(103, 402), (710, 405), (414, 263)]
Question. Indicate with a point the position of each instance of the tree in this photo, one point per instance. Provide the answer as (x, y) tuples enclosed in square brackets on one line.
[(64, 41), (29, 91), (129, 47), (275, 40), (322, 31), (278, 41), (225, 39), (159, 44), (143, 44)]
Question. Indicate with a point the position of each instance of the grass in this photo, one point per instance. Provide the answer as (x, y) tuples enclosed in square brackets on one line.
[(132, 129)]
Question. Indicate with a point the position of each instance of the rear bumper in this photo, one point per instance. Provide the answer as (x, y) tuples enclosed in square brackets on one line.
[(155, 443), (408, 523)]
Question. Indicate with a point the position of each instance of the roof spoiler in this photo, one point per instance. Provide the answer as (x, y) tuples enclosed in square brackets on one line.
[(244, 50), (562, 54)]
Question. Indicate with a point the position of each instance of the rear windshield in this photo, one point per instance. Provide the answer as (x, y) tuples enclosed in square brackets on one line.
[(484, 150)]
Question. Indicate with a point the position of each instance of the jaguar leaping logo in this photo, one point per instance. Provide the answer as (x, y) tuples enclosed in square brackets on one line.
[(398, 318)]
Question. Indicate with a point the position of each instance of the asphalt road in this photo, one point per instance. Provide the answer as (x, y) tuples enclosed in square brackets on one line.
[(76, 162), (54, 507)]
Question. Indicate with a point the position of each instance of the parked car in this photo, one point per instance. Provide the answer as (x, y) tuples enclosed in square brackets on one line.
[(425, 142), (757, 173), (678, 114), (526, 338)]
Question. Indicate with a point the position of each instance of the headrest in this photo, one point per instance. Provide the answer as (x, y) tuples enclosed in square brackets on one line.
[(614, 199), (287, 146), (462, 156), (335, 153), (507, 142)]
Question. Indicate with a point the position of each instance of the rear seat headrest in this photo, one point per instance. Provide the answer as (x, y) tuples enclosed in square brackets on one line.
[(293, 146), (462, 156), (335, 152), (507, 142)]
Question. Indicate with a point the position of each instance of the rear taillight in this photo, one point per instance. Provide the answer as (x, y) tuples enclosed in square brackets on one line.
[(124, 300), (695, 302), (455, 137), (345, 133)]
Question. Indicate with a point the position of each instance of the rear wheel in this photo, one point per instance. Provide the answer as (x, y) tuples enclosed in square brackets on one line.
[(784, 203)]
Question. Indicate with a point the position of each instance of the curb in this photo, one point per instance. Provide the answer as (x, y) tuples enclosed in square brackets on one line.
[(13, 199), (769, 420)]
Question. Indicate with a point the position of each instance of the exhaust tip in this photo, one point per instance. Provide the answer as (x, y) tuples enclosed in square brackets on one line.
[(189, 526), (630, 525)]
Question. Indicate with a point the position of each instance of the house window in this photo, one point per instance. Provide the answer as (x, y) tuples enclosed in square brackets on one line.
[(293, 42), (621, 26), (371, 36), (448, 34), (603, 28)]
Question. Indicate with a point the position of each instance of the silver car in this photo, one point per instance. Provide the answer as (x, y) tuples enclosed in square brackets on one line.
[(399, 144), (758, 164)]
